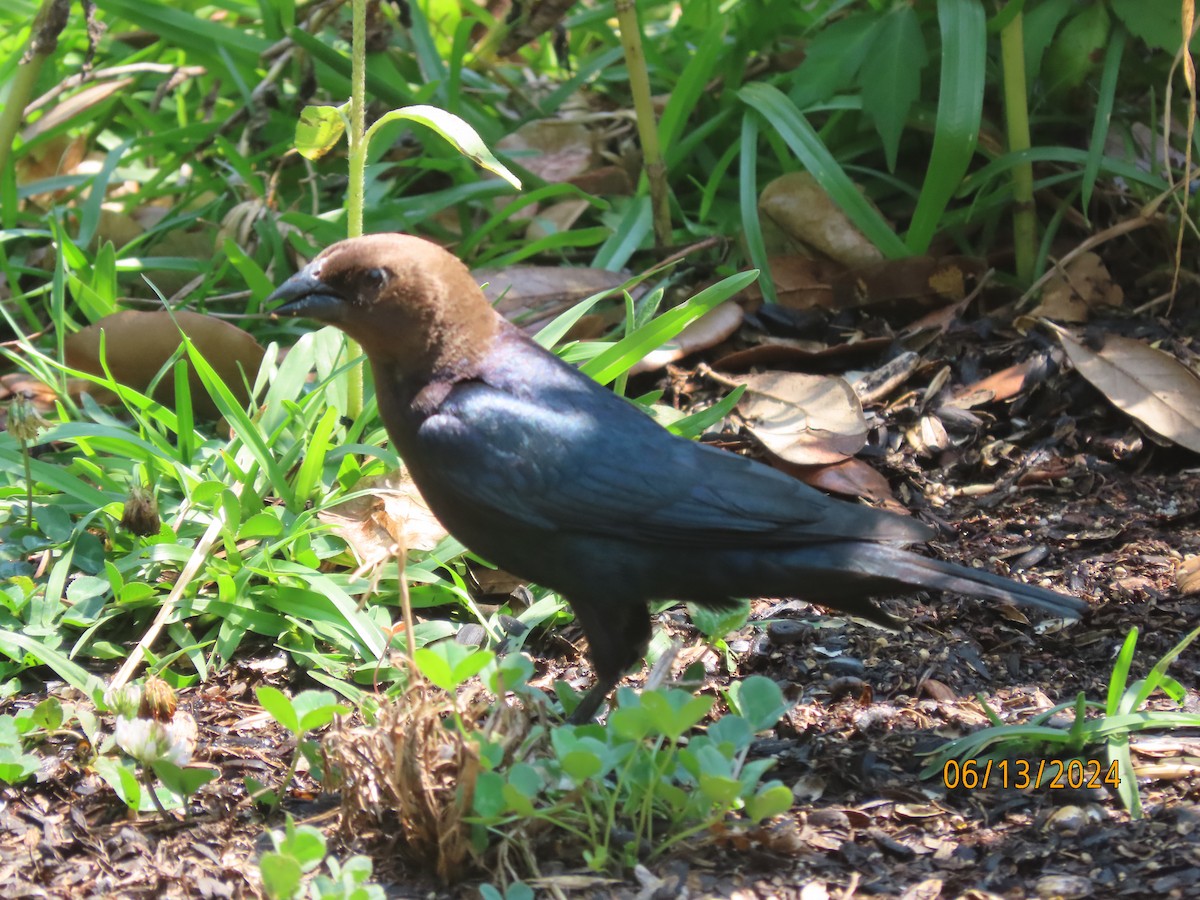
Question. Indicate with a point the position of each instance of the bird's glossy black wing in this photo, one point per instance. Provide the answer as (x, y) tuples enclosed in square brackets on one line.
[(580, 458)]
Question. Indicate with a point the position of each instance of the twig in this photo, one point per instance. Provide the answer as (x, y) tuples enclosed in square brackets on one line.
[(1103, 237), (195, 561)]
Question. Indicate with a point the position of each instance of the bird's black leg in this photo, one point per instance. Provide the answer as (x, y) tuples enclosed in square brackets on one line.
[(586, 711), (617, 635)]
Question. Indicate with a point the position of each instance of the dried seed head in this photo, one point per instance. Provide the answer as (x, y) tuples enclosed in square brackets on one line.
[(24, 422), (141, 513)]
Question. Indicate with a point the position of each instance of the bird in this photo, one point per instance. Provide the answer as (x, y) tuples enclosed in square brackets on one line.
[(542, 471)]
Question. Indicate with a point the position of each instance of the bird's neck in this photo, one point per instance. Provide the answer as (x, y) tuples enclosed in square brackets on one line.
[(411, 348)]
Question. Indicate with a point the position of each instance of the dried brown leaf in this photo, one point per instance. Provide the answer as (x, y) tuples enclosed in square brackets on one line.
[(1012, 613), (996, 387), (793, 352), (1151, 386), (137, 344), (1086, 285), (59, 155), (553, 149), (604, 181), (915, 278), (851, 478), (937, 690), (531, 295), (802, 210), (804, 419), (79, 102), (801, 282), (40, 394), (882, 381), (555, 219), (928, 436), (1188, 576), (393, 515)]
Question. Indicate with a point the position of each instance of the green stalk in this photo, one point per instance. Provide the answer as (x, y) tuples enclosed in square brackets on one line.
[(356, 138), (647, 124), (1016, 110)]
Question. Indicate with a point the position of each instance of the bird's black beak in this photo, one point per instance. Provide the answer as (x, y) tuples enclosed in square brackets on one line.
[(308, 296)]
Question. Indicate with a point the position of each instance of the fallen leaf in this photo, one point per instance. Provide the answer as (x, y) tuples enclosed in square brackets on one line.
[(920, 332), (1072, 295), (529, 296), (929, 889), (804, 419), (117, 226), (879, 383), (553, 149), (996, 387), (802, 210), (79, 102), (1188, 576), (851, 478), (928, 436), (138, 344), (604, 181), (393, 515), (937, 690), (58, 155), (1010, 612), (709, 330), (1151, 386), (40, 394), (801, 282), (793, 352), (555, 219), (915, 278)]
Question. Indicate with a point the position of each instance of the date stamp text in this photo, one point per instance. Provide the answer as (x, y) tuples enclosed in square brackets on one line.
[(1023, 774)]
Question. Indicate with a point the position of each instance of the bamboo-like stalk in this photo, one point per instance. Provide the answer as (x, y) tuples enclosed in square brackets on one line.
[(647, 122), (1016, 111), (357, 161)]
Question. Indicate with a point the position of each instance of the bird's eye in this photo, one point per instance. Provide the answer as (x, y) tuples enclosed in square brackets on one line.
[(375, 277)]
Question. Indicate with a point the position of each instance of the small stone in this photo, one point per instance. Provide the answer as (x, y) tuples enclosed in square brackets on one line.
[(848, 686), (786, 631), (472, 634), (1068, 819), (1066, 887), (844, 666)]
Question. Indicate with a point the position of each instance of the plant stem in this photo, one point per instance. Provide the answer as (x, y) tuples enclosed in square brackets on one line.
[(170, 606), (1016, 109), (148, 779), (356, 137), (28, 485), (647, 123)]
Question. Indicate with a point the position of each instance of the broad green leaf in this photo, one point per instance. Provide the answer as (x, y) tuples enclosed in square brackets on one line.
[(275, 702), (319, 130), (773, 800), (891, 75), (959, 114), (453, 129), (782, 115)]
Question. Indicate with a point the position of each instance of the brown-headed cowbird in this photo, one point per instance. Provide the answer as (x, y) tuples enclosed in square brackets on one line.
[(539, 469)]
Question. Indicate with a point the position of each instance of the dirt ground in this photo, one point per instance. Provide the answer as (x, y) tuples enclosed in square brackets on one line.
[(1078, 496)]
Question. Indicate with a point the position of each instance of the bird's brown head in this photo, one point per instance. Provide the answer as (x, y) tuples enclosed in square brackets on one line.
[(413, 306)]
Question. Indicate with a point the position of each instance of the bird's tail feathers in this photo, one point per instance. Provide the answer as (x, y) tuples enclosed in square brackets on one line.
[(909, 569)]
